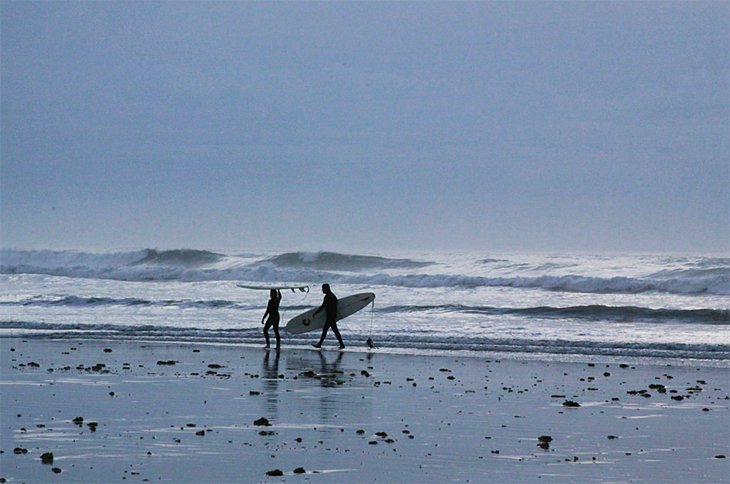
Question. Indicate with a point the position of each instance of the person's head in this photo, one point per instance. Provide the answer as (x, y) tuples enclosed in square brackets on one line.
[(326, 288), (272, 294)]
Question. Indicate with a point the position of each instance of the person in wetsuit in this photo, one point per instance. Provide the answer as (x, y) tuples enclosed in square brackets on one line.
[(329, 305), (272, 311)]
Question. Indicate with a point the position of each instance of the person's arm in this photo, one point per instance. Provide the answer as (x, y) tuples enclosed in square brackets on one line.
[(319, 308), (268, 307)]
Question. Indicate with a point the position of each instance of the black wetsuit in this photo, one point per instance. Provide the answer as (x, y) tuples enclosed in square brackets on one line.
[(273, 310), (330, 310)]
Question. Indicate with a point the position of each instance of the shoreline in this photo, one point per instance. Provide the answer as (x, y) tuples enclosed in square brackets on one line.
[(355, 415)]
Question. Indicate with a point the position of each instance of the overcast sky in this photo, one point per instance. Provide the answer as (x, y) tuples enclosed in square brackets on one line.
[(545, 126)]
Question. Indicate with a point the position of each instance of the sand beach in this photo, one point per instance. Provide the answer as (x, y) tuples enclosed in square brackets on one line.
[(106, 411)]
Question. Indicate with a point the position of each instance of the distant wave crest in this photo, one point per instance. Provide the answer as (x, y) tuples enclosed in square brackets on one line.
[(195, 265), (333, 261)]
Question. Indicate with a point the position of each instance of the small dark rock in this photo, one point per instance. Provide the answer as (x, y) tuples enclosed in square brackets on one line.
[(365, 373), (47, 458), (200, 433), (570, 403), (275, 473), (107, 350), (56, 470), (612, 437), (263, 421), (359, 431), (20, 450), (544, 445), (720, 456), (299, 470), (545, 438)]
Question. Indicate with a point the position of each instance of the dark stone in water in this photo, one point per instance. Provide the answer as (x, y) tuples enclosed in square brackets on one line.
[(545, 438), (359, 431), (215, 366), (78, 421), (200, 433), (107, 350), (92, 426), (544, 445), (56, 470), (20, 450), (612, 437), (720, 456), (299, 470), (570, 403), (275, 473), (254, 393), (47, 458), (381, 434), (168, 362), (263, 421), (365, 373)]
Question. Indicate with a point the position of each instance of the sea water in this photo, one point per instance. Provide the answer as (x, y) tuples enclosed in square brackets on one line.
[(558, 306)]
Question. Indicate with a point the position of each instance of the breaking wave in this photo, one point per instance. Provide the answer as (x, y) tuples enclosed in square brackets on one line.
[(189, 265), (333, 261)]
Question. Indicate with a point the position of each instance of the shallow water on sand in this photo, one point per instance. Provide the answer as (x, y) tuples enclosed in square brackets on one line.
[(444, 418)]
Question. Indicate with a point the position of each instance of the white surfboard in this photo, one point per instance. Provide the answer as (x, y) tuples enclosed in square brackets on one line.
[(300, 288), (346, 306)]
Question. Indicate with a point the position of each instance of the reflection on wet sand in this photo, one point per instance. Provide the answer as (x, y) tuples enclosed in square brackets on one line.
[(270, 374), (334, 393)]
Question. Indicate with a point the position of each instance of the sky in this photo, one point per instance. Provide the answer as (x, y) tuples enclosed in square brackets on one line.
[(366, 126)]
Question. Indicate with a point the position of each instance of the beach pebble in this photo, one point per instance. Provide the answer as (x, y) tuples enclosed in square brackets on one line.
[(47, 458), (365, 373), (720, 456), (570, 403), (275, 473), (545, 438), (56, 470), (299, 470), (263, 421), (20, 450)]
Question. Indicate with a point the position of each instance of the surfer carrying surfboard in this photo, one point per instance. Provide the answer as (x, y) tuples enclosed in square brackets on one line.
[(272, 311), (329, 305)]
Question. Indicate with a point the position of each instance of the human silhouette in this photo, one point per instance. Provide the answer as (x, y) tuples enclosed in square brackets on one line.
[(329, 305), (272, 311)]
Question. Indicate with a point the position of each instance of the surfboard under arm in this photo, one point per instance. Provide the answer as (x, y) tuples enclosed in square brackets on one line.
[(294, 288)]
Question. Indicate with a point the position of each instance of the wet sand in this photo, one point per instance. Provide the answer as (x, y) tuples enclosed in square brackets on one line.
[(205, 413)]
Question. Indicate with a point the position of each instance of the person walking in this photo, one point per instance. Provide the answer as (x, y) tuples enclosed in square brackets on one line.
[(329, 306), (272, 311)]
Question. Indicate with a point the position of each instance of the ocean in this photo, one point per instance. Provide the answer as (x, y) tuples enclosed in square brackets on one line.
[(671, 308)]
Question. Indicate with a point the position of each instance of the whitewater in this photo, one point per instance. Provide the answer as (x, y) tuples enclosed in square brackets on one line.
[(666, 307)]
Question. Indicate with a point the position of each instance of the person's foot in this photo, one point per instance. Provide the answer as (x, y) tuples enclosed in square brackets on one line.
[(342, 347), (278, 348), (266, 347), (318, 346)]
